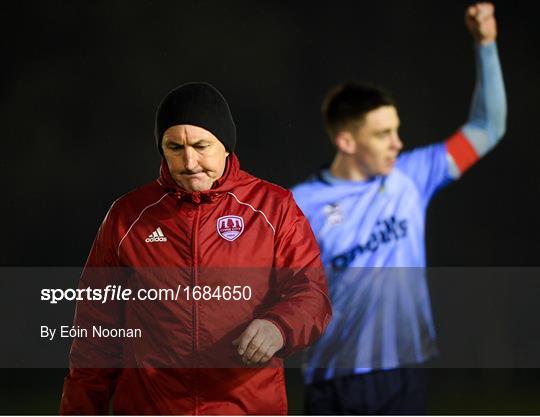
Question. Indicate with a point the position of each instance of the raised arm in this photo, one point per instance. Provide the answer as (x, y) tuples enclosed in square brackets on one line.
[(487, 118)]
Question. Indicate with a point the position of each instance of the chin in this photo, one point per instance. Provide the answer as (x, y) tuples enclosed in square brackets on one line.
[(193, 185), (193, 189), (198, 186), (386, 171)]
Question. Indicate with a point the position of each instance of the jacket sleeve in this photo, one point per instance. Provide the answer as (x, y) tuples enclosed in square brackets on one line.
[(95, 363), (303, 310)]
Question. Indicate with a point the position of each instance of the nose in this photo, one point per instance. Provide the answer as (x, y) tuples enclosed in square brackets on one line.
[(396, 142), (189, 159)]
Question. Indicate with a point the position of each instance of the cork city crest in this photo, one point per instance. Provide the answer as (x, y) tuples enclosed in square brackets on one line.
[(230, 227)]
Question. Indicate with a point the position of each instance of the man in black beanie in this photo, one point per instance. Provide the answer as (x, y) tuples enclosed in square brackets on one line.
[(195, 132), (244, 264)]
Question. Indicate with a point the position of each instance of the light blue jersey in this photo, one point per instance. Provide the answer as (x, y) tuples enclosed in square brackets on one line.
[(371, 236), (381, 314)]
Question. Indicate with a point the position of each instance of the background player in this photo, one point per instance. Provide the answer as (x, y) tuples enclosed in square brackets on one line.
[(368, 210)]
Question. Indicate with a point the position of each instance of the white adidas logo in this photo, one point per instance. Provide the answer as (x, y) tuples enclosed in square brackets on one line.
[(156, 236)]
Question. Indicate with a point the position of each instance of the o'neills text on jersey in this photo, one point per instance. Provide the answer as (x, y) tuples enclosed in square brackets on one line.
[(386, 231)]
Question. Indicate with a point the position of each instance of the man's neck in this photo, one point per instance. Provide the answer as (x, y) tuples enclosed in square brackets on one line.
[(346, 168)]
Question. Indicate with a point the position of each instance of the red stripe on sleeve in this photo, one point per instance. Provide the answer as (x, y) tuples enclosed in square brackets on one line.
[(462, 151)]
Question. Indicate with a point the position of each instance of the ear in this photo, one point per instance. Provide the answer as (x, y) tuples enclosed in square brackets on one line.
[(345, 142)]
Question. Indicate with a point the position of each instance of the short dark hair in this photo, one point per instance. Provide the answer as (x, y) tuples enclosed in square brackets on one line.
[(345, 105)]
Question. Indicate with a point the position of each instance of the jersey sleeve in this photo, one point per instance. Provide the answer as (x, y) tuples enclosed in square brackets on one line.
[(427, 167), (486, 123), (95, 363), (304, 309), (433, 166)]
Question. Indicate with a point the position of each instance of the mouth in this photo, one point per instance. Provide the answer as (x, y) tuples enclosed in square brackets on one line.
[(191, 174)]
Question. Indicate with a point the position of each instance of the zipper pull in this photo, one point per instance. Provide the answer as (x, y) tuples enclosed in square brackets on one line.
[(196, 197)]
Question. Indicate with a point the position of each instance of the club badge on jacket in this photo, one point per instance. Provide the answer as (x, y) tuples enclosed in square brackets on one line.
[(230, 227)]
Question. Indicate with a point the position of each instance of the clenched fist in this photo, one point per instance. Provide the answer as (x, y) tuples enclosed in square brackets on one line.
[(258, 343), (480, 20)]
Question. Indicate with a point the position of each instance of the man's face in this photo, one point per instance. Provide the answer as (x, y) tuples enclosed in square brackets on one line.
[(377, 142), (195, 157)]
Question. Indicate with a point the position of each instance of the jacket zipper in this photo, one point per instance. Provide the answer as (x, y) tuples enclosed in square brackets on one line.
[(195, 308)]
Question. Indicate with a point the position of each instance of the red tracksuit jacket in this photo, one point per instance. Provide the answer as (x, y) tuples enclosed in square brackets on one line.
[(244, 231)]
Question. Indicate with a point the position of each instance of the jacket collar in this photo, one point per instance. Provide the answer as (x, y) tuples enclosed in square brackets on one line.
[(219, 187)]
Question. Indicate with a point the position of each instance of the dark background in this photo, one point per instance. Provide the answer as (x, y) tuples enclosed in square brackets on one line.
[(81, 81)]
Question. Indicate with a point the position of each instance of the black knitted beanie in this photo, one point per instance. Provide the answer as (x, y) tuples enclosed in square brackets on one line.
[(199, 104)]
